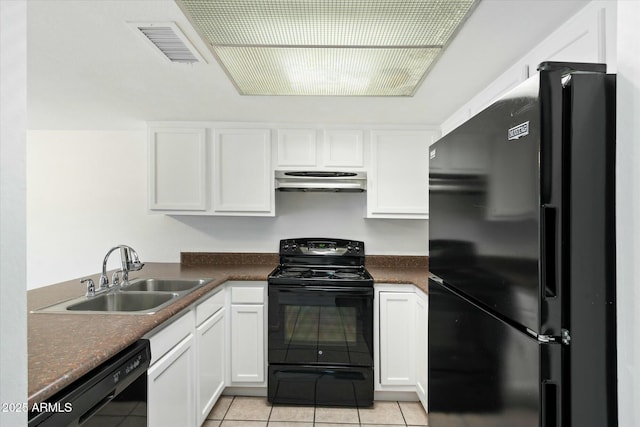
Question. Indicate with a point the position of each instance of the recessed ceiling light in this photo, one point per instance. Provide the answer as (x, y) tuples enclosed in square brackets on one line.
[(327, 47)]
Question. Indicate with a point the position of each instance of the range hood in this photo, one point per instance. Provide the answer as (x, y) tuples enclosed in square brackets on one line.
[(325, 181)]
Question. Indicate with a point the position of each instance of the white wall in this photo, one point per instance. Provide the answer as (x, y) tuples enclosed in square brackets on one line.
[(13, 304), (628, 213), (87, 193)]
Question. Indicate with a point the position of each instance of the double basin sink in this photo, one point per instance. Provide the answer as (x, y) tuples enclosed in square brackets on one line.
[(139, 296)]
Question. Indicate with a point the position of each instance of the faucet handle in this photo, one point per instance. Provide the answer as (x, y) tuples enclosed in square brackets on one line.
[(91, 286), (115, 279), (104, 281)]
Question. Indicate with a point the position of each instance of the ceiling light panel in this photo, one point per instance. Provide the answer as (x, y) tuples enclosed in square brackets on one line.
[(330, 40), (307, 71)]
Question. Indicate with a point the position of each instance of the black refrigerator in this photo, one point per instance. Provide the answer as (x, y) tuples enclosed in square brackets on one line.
[(522, 258)]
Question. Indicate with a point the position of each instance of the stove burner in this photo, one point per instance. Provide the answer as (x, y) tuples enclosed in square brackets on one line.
[(296, 272), (346, 275), (315, 273)]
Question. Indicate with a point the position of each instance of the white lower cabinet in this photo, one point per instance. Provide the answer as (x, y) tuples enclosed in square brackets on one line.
[(188, 366), (210, 354), (171, 377), (421, 309), (401, 347), (248, 349), (397, 342), (247, 343)]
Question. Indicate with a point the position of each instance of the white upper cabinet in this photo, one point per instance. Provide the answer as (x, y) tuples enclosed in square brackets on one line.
[(177, 169), (242, 173), (210, 170), (583, 38), (296, 148), (314, 149), (398, 178), (343, 148)]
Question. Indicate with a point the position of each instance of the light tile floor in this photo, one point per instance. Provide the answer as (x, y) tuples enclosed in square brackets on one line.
[(232, 411)]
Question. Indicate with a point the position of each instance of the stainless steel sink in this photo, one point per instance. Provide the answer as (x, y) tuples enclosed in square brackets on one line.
[(120, 301), (139, 296), (115, 302), (164, 285)]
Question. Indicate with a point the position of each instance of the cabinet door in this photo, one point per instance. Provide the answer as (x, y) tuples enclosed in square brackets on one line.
[(177, 169), (398, 181), (343, 148), (242, 174), (171, 388), (581, 39), (397, 338), (421, 347), (296, 148), (247, 343), (211, 348)]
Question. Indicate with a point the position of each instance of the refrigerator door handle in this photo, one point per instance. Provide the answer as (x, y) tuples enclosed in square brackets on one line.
[(550, 404), (549, 242)]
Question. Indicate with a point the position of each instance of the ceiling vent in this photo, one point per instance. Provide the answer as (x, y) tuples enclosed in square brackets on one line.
[(168, 40)]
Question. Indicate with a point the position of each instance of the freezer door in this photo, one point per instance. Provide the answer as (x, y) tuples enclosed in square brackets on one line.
[(484, 372), (484, 206)]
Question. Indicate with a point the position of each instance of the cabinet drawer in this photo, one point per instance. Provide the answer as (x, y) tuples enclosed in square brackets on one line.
[(247, 295), (210, 306), (168, 337)]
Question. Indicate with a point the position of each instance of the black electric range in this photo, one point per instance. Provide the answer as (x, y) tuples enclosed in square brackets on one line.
[(321, 324)]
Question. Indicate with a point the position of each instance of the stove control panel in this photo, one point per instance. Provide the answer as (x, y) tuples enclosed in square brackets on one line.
[(321, 247)]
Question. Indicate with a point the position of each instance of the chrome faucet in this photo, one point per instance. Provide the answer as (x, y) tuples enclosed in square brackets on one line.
[(127, 264)]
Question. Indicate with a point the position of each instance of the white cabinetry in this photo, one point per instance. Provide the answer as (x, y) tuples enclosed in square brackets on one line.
[(421, 330), (397, 338), (343, 148), (398, 179), (210, 353), (313, 149), (209, 169), (171, 376), (584, 38), (177, 169), (401, 340), (242, 173), (248, 349), (296, 148)]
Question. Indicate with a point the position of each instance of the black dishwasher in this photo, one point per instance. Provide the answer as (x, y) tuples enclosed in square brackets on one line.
[(113, 394)]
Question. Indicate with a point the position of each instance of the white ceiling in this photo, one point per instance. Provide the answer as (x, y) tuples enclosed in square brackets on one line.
[(88, 69)]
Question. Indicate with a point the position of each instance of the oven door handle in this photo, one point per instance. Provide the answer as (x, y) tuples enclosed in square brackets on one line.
[(351, 290)]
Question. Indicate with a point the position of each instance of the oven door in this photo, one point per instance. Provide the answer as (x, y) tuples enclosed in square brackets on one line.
[(326, 325)]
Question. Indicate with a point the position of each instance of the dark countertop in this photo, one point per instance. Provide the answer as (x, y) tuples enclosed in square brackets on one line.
[(63, 347)]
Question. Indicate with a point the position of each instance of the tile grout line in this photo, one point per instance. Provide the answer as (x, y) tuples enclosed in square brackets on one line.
[(402, 413), (224, 416)]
